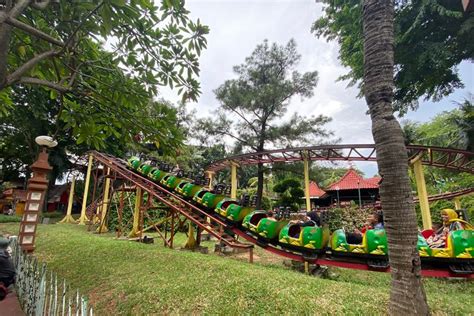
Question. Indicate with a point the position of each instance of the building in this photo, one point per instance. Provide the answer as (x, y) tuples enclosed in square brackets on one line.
[(353, 187)]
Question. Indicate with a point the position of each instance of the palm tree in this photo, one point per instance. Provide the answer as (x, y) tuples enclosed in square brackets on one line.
[(407, 295)]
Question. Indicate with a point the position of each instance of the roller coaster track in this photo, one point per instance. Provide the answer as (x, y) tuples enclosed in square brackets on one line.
[(204, 219), (448, 158), (173, 201)]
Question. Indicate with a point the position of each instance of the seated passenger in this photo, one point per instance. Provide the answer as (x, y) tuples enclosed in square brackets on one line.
[(451, 222), (7, 270), (374, 221)]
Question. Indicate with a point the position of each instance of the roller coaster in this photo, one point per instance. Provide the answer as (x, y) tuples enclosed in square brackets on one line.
[(230, 220)]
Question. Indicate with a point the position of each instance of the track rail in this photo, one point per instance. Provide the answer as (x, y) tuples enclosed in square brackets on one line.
[(449, 158), (199, 217), (175, 202)]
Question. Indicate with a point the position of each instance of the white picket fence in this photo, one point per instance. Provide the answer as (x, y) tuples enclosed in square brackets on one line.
[(41, 293)]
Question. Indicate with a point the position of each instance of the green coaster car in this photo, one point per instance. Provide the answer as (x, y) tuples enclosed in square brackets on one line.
[(133, 163), (210, 200), (157, 174), (374, 242), (311, 237), (252, 220), (199, 195), (237, 213), (189, 190), (180, 186), (170, 181), (270, 227), (459, 244), (223, 205), (145, 169)]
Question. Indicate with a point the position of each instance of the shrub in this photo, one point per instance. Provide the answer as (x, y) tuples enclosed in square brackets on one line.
[(348, 218), (9, 218)]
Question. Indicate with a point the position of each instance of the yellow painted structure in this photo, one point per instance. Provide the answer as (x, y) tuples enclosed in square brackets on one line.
[(136, 214), (210, 175), (19, 208), (457, 202), (233, 180), (103, 226), (68, 218), (83, 218), (306, 183), (422, 193)]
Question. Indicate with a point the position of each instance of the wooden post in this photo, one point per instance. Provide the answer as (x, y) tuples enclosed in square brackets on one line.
[(251, 255), (136, 213), (210, 175), (457, 203)]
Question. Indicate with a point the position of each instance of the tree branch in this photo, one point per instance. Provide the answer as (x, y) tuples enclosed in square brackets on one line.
[(45, 83), (15, 76), (69, 40), (29, 29)]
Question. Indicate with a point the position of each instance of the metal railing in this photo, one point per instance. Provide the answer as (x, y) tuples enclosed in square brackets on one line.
[(40, 292)]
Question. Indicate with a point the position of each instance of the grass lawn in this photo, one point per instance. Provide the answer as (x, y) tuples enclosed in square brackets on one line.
[(122, 277)]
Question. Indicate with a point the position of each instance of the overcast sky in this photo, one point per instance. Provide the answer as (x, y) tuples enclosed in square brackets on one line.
[(238, 26)]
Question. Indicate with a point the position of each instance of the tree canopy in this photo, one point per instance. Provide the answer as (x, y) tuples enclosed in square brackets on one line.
[(253, 104), (102, 61), (431, 38)]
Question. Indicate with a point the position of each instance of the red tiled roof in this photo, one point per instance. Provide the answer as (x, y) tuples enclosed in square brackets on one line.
[(353, 181), (315, 191)]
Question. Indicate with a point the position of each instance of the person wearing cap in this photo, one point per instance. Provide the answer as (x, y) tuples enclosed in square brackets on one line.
[(7, 270)]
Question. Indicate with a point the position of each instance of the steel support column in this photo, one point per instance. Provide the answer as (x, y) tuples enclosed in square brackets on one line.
[(422, 193), (306, 183), (233, 180), (68, 218), (83, 219), (136, 213), (210, 175), (457, 202), (105, 205)]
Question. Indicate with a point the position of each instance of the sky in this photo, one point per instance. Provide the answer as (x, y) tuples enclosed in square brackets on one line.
[(238, 26)]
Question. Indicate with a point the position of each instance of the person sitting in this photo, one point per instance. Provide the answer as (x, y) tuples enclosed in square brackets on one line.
[(451, 222), (7, 270), (374, 221)]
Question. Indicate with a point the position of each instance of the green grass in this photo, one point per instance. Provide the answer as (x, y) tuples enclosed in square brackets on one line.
[(9, 218), (122, 277)]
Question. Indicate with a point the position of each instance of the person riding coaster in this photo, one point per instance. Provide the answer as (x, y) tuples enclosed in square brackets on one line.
[(371, 239), (305, 233), (454, 238)]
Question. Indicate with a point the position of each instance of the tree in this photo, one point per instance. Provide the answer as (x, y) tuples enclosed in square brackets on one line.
[(290, 192), (59, 46), (431, 38), (33, 115), (252, 105), (407, 295)]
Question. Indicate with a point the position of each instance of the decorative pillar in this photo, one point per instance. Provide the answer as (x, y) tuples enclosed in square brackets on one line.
[(35, 198), (83, 219), (422, 193), (306, 182), (68, 218), (105, 203), (233, 180)]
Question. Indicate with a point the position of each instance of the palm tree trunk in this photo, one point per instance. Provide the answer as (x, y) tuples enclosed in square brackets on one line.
[(407, 295)]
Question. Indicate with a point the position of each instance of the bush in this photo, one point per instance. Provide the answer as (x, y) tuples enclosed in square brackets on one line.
[(9, 218), (348, 218)]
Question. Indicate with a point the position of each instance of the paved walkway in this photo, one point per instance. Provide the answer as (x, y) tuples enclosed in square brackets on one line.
[(10, 306)]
